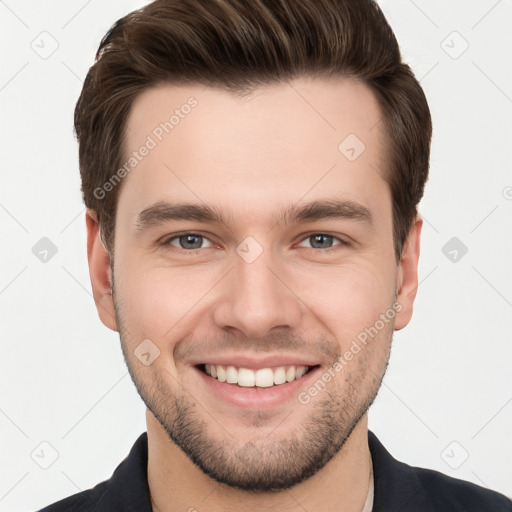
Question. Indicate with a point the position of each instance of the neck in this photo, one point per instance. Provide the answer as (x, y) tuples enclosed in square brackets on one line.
[(176, 483)]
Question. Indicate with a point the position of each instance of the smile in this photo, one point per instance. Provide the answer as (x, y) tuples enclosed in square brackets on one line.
[(261, 378)]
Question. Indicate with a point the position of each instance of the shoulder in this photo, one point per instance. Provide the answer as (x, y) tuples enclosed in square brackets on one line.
[(85, 501), (453, 494), (126, 490), (399, 486)]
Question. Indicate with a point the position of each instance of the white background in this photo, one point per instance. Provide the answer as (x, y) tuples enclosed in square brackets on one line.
[(448, 391)]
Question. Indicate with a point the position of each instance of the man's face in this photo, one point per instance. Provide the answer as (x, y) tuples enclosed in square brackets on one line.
[(301, 263)]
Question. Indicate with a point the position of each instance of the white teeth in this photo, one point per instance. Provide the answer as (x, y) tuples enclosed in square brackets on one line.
[(279, 375), (231, 375), (290, 374), (262, 378), (246, 378), (221, 373)]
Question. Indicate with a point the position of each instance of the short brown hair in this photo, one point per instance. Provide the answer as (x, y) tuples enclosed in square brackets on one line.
[(238, 45)]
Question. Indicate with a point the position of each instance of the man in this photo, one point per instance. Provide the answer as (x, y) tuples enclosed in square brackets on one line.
[(251, 172)]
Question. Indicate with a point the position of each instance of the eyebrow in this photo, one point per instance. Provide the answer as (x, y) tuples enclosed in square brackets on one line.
[(162, 212)]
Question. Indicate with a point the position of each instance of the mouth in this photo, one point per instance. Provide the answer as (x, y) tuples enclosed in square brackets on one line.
[(255, 378), (255, 381)]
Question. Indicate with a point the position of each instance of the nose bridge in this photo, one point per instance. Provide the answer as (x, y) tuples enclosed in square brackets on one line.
[(258, 300)]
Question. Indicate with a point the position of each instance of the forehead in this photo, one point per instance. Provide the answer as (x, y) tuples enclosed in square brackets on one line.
[(284, 142)]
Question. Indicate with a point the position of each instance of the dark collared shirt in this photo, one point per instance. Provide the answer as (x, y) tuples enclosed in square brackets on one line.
[(398, 488)]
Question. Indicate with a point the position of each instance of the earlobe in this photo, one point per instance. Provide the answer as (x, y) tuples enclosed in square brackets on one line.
[(100, 271), (407, 277)]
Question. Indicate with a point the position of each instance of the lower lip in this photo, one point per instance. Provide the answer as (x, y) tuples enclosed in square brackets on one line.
[(251, 398)]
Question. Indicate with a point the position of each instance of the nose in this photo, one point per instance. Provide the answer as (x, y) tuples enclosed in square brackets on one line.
[(258, 298)]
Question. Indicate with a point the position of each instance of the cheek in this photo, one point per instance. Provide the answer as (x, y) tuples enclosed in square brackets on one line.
[(166, 304), (347, 299), (159, 303)]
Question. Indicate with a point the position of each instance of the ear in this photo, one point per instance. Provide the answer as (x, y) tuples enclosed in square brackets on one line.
[(100, 271), (407, 277)]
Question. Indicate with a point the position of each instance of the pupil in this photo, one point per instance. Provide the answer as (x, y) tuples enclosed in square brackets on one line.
[(194, 240), (318, 239)]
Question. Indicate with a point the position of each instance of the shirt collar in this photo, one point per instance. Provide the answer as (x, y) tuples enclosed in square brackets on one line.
[(396, 485)]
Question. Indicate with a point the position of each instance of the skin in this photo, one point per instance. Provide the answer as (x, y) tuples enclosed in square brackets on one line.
[(253, 157)]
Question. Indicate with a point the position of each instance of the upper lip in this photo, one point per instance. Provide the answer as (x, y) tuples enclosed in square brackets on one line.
[(255, 362)]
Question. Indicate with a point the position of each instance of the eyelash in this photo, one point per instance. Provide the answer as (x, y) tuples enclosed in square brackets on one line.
[(167, 242)]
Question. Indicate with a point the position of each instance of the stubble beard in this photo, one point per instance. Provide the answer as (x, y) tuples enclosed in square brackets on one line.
[(266, 463)]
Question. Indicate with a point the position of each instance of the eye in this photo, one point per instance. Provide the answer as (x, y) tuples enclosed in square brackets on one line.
[(322, 241), (187, 241)]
